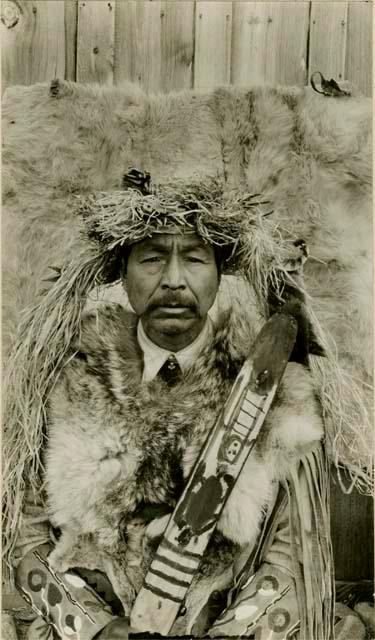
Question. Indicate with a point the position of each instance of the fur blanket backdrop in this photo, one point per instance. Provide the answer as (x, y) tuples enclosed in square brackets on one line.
[(307, 154)]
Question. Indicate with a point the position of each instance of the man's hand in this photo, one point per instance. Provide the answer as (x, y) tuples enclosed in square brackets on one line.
[(157, 527)]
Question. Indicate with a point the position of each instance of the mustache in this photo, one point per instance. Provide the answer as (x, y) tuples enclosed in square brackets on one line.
[(172, 299)]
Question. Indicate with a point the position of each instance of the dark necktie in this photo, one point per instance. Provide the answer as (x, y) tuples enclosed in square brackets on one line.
[(170, 372)]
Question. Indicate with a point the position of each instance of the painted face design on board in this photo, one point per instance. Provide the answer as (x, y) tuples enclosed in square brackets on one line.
[(233, 449)]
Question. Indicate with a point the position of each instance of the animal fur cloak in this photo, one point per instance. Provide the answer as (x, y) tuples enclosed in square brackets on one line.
[(117, 445)]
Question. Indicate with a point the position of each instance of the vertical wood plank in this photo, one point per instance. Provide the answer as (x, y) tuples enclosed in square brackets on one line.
[(95, 41), (71, 16), (154, 44), (137, 43), (328, 27), (352, 530), (213, 41), (359, 46), (32, 41), (177, 45), (270, 42)]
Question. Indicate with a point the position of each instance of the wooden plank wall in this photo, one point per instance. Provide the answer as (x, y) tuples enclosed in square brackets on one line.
[(178, 44)]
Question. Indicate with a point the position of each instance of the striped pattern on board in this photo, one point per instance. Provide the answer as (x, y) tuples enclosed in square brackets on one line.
[(171, 571)]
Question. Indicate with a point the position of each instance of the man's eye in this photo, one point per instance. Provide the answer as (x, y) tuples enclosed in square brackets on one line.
[(151, 259), (195, 259)]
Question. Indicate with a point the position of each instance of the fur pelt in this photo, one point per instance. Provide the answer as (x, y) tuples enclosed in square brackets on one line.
[(115, 443), (309, 155)]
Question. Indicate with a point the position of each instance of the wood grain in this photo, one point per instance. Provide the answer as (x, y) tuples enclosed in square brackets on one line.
[(95, 41), (154, 44), (270, 42), (359, 46), (71, 17), (213, 41), (328, 30), (33, 41), (352, 529), (178, 45)]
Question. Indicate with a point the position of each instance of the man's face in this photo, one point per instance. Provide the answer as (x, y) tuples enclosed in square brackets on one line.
[(172, 281)]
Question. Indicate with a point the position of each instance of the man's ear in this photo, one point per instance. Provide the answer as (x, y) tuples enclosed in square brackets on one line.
[(124, 281), (123, 269)]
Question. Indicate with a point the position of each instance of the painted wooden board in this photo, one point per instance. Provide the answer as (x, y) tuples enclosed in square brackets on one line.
[(215, 472), (359, 46), (71, 17), (328, 30), (213, 42), (154, 44), (32, 41), (270, 42), (95, 41)]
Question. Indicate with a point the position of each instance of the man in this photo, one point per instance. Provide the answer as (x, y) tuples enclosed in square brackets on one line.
[(172, 283), (168, 370)]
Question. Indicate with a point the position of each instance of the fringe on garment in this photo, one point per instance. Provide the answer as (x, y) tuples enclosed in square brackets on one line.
[(44, 338), (310, 529)]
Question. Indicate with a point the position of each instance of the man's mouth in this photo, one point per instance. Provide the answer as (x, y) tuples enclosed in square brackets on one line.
[(173, 306), (168, 310)]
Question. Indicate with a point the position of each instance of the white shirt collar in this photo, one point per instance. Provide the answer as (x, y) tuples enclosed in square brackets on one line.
[(154, 356)]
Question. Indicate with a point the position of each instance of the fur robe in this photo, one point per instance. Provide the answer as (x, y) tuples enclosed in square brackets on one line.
[(117, 444)]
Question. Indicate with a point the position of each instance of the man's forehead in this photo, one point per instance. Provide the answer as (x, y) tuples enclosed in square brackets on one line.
[(184, 240)]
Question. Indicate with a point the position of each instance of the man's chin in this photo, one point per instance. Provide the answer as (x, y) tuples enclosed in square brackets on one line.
[(173, 333), (173, 326)]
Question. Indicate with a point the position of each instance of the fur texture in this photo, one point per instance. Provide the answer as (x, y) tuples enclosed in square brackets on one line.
[(309, 155), (115, 444)]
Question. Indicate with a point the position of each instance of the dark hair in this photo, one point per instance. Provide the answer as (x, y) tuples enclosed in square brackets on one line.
[(222, 256), (125, 253)]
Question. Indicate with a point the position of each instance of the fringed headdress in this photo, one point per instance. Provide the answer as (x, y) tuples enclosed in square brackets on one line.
[(253, 247)]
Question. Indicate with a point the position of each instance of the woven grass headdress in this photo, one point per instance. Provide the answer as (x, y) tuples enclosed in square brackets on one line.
[(253, 247)]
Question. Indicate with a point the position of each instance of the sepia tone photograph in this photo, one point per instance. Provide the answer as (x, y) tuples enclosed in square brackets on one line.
[(187, 320)]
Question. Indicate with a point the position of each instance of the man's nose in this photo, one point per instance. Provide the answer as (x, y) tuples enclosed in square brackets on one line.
[(173, 274)]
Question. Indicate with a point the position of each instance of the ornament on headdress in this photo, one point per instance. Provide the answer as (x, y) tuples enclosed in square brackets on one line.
[(135, 179)]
